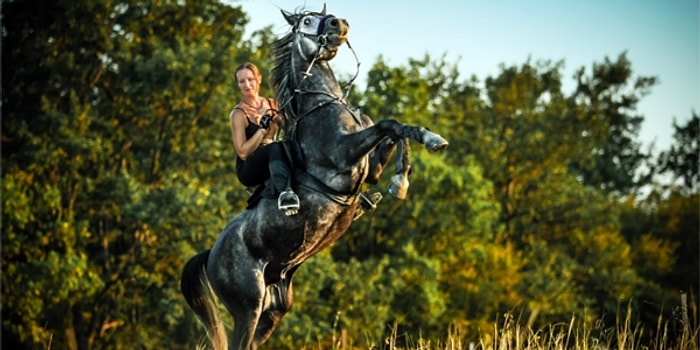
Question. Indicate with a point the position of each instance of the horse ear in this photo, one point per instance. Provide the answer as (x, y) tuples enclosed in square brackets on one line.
[(289, 17), (323, 13)]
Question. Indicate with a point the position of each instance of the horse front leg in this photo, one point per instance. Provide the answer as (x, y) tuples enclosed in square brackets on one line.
[(433, 142), (390, 130), (379, 159), (398, 186), (362, 142)]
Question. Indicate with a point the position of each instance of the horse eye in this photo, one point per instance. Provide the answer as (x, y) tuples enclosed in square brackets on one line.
[(307, 21)]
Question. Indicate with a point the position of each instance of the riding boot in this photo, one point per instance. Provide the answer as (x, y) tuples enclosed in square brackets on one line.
[(288, 201), (368, 203)]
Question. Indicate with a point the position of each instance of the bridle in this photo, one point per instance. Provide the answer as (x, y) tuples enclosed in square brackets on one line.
[(321, 39)]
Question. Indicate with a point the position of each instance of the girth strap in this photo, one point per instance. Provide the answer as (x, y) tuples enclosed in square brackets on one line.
[(310, 182)]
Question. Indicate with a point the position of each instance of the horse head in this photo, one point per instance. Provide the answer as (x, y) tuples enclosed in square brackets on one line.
[(301, 76), (320, 34)]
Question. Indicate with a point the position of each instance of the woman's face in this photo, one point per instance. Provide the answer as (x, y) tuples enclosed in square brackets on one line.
[(247, 82)]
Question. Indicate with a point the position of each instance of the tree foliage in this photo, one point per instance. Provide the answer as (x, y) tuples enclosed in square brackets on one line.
[(608, 99), (114, 143), (681, 161), (117, 167)]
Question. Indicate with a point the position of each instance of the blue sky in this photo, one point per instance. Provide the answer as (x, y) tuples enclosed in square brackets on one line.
[(661, 38)]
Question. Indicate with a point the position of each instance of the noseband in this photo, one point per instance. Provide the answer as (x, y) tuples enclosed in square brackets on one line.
[(322, 40), (323, 23), (320, 37)]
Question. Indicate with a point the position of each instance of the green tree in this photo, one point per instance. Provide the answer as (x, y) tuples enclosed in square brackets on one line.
[(681, 161), (116, 166), (503, 218), (424, 239), (525, 135), (662, 227), (607, 99)]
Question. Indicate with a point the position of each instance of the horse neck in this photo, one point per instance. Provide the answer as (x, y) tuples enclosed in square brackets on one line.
[(321, 79)]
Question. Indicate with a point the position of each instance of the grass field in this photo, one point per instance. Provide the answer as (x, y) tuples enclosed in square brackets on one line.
[(510, 335)]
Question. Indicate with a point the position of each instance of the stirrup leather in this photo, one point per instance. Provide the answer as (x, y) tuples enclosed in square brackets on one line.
[(288, 202)]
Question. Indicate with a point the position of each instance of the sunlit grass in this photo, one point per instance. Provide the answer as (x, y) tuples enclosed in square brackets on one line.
[(510, 335), (575, 334)]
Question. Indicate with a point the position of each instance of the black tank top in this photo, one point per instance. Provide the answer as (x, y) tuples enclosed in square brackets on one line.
[(252, 127), (250, 130)]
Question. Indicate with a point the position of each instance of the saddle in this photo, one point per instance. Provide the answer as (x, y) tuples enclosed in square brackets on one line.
[(368, 199)]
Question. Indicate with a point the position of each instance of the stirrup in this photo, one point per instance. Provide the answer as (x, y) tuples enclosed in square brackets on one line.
[(288, 202), (368, 203)]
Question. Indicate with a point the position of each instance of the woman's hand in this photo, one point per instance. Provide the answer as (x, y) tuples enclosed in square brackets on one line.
[(264, 140)]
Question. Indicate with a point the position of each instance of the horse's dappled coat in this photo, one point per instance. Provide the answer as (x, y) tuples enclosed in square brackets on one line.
[(251, 265)]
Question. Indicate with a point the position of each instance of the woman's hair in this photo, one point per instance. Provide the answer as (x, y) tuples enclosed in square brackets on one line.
[(253, 68)]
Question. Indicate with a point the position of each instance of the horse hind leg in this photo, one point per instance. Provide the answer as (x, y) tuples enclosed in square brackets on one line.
[(245, 322), (197, 291), (245, 309), (243, 296), (278, 301)]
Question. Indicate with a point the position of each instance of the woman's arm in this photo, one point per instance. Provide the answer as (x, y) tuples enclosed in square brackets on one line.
[(244, 147)]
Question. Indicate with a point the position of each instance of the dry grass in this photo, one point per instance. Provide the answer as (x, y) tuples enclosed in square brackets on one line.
[(510, 335)]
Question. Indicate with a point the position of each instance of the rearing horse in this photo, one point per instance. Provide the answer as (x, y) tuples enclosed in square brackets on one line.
[(251, 265)]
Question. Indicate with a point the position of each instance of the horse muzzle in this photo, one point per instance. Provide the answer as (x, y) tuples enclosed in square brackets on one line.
[(333, 32)]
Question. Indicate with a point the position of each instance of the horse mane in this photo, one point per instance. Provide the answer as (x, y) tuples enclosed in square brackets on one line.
[(282, 83)]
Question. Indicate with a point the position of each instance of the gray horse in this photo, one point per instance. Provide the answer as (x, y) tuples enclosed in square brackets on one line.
[(336, 149)]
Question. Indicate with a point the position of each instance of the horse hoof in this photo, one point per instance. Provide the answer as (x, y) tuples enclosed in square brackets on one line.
[(434, 142), (398, 187)]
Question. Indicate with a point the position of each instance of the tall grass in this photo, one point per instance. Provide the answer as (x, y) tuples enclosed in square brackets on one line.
[(574, 335), (512, 334)]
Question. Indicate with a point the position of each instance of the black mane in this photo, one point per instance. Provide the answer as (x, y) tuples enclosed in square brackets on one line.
[(282, 81)]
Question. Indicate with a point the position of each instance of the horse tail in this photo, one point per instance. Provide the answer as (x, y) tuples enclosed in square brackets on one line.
[(199, 295)]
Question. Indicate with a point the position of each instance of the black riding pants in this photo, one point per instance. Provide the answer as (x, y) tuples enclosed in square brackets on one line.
[(267, 161)]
